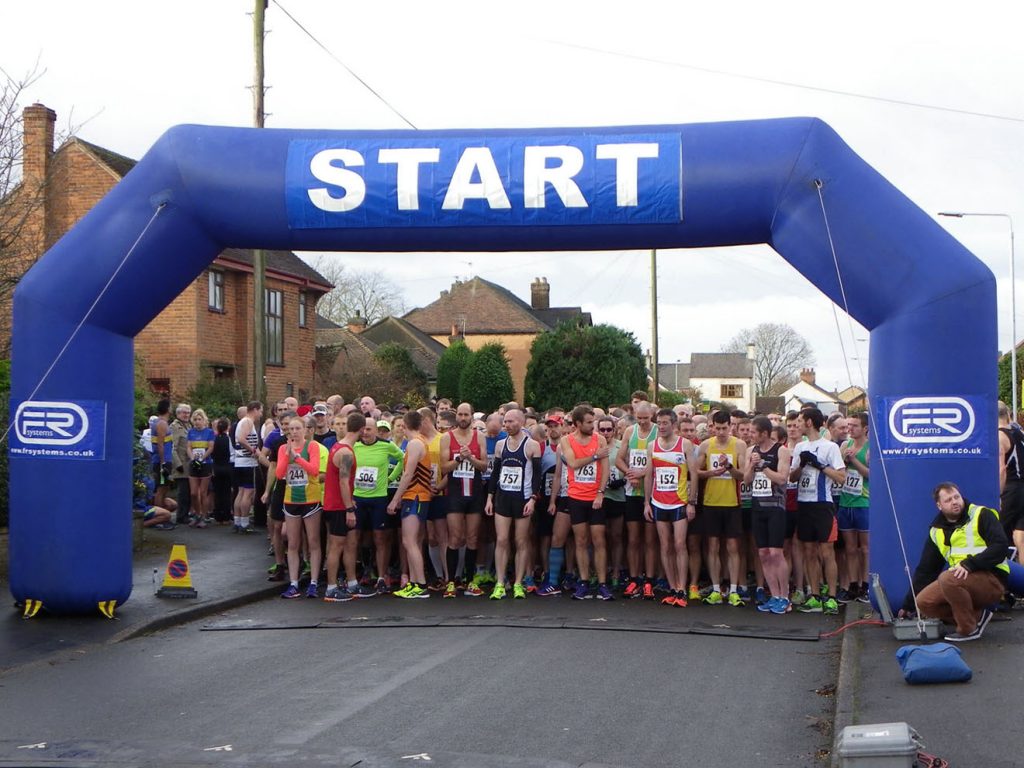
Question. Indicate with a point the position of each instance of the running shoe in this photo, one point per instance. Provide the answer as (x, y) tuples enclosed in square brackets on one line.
[(437, 586), (548, 590), (830, 607), (291, 593), (824, 591), (582, 591), (680, 600), (337, 595), (616, 584), (382, 587), (781, 605), (569, 582), (486, 577), (844, 596), (766, 606), (706, 591), (313, 591), (694, 593), (306, 570), (473, 590), (363, 592), (529, 584), (276, 572), (714, 598), (201, 523), (519, 591), (593, 582), (863, 596), (418, 593), (449, 590), (744, 593), (164, 527), (669, 599), (633, 589), (797, 598), (404, 591), (812, 605), (498, 593), (603, 593), (760, 596), (661, 586), (270, 551), (648, 591), (735, 600)]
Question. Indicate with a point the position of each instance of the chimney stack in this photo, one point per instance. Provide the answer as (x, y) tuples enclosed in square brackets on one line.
[(540, 293), (357, 324), (807, 374), (751, 351), (37, 150)]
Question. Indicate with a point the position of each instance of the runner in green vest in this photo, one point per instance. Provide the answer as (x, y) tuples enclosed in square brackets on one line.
[(853, 510)]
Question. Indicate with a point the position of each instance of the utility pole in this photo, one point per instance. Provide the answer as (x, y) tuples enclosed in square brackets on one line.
[(654, 323), (259, 264)]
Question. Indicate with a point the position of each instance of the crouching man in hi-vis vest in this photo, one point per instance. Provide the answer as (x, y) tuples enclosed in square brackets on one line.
[(970, 540)]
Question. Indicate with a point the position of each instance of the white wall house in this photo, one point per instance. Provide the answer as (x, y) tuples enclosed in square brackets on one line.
[(806, 393), (724, 377)]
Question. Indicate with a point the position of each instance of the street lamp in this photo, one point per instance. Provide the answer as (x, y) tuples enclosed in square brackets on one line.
[(1013, 299)]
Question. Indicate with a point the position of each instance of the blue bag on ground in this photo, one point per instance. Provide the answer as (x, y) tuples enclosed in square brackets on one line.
[(935, 663)]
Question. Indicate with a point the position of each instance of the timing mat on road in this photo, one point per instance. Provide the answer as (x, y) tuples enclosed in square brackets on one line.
[(593, 624)]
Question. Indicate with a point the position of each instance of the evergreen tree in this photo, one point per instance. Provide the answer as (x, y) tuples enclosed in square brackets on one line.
[(598, 364), (449, 370), (486, 380)]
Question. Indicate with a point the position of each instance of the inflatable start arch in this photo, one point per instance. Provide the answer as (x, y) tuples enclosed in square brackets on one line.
[(929, 303)]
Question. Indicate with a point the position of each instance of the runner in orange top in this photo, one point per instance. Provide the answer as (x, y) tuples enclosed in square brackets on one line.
[(586, 456), (413, 496)]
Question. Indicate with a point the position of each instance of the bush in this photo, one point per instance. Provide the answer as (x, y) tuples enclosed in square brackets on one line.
[(218, 397), (449, 370), (572, 364), (486, 380)]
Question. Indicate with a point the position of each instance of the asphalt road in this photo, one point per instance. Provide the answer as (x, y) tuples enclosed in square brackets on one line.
[(380, 682)]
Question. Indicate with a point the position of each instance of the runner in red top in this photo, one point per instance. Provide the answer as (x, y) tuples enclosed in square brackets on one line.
[(463, 459), (340, 511)]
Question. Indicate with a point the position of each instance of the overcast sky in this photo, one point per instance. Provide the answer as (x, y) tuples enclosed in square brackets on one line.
[(127, 71)]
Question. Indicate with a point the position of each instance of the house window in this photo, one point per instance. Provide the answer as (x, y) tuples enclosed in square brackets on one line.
[(160, 386), (274, 328), (216, 291), (734, 391), (302, 309)]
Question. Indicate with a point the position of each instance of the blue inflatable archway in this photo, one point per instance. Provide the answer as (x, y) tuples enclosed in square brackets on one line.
[(929, 303)]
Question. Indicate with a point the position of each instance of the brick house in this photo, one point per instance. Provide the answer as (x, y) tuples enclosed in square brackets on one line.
[(348, 349), (482, 312), (207, 330)]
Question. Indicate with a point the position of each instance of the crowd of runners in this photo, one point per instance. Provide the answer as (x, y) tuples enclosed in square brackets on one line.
[(633, 501)]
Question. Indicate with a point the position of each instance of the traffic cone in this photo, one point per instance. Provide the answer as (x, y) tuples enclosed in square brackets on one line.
[(178, 578)]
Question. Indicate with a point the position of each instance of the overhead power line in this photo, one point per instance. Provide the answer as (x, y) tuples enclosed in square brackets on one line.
[(787, 83), (346, 67)]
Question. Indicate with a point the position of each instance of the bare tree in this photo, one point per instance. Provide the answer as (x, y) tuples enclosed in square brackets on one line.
[(780, 352), (17, 200), (369, 293)]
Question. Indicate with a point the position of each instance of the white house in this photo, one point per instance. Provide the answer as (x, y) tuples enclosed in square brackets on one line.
[(806, 393), (724, 377)]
